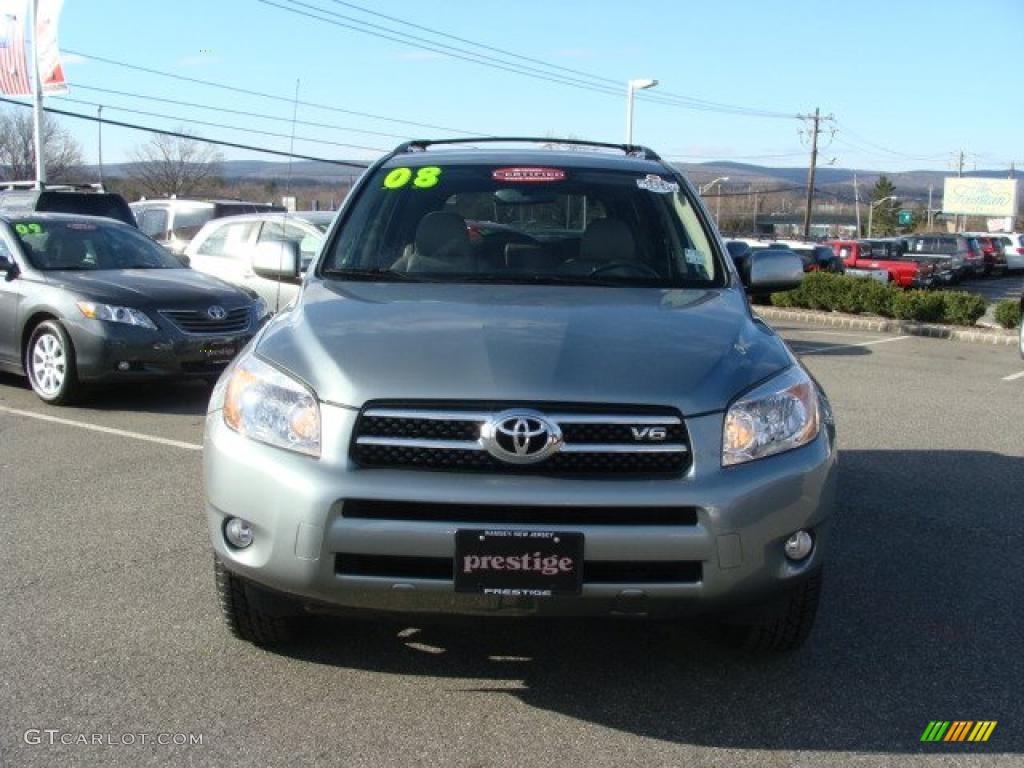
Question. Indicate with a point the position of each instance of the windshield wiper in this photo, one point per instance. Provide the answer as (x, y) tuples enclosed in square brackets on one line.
[(374, 275)]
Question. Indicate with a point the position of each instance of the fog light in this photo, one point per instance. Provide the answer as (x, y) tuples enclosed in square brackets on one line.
[(799, 545), (124, 365), (238, 532)]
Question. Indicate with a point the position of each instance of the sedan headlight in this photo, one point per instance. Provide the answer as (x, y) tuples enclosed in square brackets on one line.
[(777, 416), (267, 405), (113, 314), (260, 308)]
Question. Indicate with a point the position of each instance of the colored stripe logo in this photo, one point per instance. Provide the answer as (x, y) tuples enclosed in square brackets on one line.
[(958, 730)]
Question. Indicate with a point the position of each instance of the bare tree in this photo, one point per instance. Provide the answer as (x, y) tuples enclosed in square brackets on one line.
[(63, 155), (172, 165)]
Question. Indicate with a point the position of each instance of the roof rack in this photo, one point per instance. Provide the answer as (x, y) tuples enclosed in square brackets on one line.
[(420, 145), (13, 185)]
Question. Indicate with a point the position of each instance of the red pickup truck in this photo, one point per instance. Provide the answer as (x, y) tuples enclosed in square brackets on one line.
[(885, 255)]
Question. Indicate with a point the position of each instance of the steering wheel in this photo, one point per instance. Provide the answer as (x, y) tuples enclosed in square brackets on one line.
[(635, 266)]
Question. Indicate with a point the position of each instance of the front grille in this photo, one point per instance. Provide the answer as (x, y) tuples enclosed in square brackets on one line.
[(594, 571), (601, 442), (198, 322), (505, 514)]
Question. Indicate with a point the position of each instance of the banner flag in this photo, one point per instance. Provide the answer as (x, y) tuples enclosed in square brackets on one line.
[(14, 80), (51, 71)]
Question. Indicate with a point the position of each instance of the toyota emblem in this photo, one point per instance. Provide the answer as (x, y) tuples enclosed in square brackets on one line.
[(216, 313), (520, 437)]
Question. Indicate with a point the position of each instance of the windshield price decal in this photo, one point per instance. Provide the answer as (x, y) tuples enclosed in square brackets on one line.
[(426, 177), (528, 175), (28, 229)]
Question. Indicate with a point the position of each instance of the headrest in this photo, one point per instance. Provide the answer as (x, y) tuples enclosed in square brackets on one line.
[(607, 240)]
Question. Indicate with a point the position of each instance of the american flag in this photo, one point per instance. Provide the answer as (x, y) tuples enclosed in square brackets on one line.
[(13, 62)]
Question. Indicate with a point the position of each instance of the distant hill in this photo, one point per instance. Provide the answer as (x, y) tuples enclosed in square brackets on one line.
[(912, 185)]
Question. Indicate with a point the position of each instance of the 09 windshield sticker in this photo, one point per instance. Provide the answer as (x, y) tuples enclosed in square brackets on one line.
[(531, 175), (422, 178), (654, 183), (28, 229)]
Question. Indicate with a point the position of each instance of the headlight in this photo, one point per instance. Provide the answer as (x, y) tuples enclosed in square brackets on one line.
[(267, 405), (777, 416), (260, 308), (113, 314)]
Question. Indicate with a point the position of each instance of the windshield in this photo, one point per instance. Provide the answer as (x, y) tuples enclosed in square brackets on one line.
[(88, 245), (490, 223)]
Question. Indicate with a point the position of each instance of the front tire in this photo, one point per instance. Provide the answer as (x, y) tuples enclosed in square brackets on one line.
[(245, 616), (784, 628), (50, 364)]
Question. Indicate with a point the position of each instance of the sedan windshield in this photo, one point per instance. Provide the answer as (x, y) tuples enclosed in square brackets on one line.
[(485, 223), (88, 244)]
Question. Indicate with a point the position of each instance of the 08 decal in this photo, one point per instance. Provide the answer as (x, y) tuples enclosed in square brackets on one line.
[(426, 177)]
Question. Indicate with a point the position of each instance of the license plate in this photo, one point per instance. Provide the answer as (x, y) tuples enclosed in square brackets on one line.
[(220, 353), (518, 563)]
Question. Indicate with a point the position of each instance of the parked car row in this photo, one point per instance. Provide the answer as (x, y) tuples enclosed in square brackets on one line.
[(173, 222), (927, 260)]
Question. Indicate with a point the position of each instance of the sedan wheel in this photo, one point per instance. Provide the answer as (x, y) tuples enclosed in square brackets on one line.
[(50, 363)]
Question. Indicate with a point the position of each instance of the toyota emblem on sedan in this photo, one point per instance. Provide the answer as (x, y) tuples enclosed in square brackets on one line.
[(216, 313), (520, 437)]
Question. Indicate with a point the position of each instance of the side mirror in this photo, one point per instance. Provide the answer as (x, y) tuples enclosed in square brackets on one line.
[(773, 270), (278, 260), (7, 266)]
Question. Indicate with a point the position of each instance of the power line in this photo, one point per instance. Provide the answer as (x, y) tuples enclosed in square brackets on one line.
[(590, 82), (180, 135), (262, 95), (242, 113), (192, 121), (512, 54)]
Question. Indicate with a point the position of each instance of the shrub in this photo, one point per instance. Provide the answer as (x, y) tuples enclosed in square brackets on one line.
[(821, 290), (1008, 313), (878, 297), (923, 306), (962, 308)]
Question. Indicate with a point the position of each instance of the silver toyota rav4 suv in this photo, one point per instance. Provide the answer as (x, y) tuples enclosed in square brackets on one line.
[(521, 381)]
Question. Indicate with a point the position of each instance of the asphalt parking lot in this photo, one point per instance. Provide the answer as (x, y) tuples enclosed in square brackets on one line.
[(109, 624)]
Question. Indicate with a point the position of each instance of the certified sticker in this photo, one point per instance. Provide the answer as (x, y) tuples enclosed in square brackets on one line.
[(531, 175), (654, 183)]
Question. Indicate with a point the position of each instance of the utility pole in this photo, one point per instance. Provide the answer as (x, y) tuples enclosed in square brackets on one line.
[(815, 119), (930, 187), (959, 174), (856, 202), (99, 117)]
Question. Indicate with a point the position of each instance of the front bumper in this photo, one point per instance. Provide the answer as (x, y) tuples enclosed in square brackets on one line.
[(295, 506), (102, 347)]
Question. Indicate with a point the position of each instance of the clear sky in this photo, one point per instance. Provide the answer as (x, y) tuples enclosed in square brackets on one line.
[(909, 83)]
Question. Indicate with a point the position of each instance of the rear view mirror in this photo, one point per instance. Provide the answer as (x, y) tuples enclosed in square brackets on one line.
[(278, 260), (775, 270)]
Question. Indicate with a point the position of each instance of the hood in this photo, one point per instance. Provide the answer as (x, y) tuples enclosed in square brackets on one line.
[(143, 288), (689, 349)]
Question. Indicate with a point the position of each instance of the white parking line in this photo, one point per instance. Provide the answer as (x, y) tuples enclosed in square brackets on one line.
[(106, 430), (1013, 376), (850, 346)]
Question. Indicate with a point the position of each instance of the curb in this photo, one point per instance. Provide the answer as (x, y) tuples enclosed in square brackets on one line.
[(884, 325)]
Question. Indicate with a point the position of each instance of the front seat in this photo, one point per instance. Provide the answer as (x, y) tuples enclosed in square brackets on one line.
[(604, 241), (67, 253), (441, 245)]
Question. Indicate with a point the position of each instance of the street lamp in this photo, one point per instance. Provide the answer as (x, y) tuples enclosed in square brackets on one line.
[(718, 202), (871, 210), (631, 88)]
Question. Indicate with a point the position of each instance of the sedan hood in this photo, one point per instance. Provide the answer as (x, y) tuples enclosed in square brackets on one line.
[(689, 349), (145, 288)]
